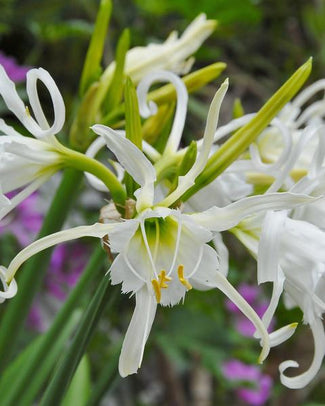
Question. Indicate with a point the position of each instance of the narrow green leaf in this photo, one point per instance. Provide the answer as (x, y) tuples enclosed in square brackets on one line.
[(10, 393), (115, 91), (22, 390), (65, 370), (107, 379), (31, 276), (132, 115), (133, 128), (242, 138), (80, 387), (92, 69)]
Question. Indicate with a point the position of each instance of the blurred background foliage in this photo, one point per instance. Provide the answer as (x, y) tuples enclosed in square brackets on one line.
[(262, 42)]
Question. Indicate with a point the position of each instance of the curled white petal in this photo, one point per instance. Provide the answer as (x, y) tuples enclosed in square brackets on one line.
[(307, 93), (186, 181), (303, 379), (133, 161), (137, 333), (181, 106), (58, 104), (39, 127), (8, 291)]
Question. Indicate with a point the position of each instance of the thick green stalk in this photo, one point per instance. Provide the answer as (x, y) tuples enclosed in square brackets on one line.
[(31, 276), (242, 138), (65, 370), (21, 391)]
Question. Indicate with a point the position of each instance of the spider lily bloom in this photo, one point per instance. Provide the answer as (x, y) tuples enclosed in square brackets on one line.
[(161, 252), (292, 256), (173, 55), (28, 162)]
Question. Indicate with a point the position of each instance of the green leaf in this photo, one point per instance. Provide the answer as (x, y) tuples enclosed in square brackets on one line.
[(32, 274), (22, 389), (133, 129), (92, 69), (80, 387), (115, 91), (65, 370), (9, 388), (242, 138)]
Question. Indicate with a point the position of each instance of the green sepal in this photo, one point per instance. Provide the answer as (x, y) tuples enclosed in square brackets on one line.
[(115, 91), (92, 68), (242, 138), (237, 109)]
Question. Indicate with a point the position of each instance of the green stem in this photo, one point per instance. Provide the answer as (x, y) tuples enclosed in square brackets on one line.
[(82, 162), (64, 373), (31, 277), (20, 392)]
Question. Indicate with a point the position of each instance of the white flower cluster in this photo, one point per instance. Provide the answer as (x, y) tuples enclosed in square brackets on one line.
[(166, 248)]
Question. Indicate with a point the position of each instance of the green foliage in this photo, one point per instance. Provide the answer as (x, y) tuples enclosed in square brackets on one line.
[(240, 11)]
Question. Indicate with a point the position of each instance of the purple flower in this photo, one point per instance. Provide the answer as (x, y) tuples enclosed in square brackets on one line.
[(25, 221), (247, 374), (15, 72)]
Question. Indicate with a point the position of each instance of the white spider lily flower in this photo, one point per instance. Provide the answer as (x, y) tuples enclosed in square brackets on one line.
[(171, 55), (161, 252), (292, 256), (27, 162)]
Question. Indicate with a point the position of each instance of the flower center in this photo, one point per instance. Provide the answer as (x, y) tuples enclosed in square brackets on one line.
[(163, 279)]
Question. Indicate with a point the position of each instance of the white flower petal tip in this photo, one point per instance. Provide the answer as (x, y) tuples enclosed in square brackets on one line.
[(282, 334), (300, 381), (137, 333), (9, 290)]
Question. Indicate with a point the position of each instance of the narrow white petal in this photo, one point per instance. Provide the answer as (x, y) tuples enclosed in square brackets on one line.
[(133, 161), (137, 333), (8, 130), (22, 195), (58, 104), (224, 218), (98, 230), (223, 284), (181, 107), (269, 246), (276, 293), (186, 181), (300, 381), (281, 335)]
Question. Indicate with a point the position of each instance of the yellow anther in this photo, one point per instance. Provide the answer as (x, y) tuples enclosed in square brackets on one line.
[(27, 111), (159, 284), (183, 281), (163, 278)]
